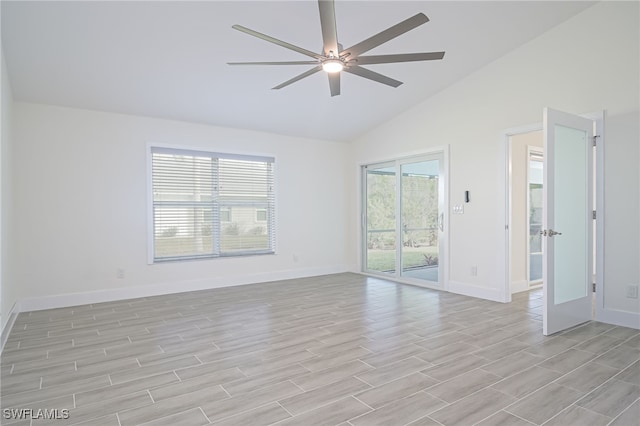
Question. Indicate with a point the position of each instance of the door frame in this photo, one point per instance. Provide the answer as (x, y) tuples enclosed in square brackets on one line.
[(505, 255), (444, 241), (539, 151)]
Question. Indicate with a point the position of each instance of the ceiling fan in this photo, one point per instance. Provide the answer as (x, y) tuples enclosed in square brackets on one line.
[(334, 59)]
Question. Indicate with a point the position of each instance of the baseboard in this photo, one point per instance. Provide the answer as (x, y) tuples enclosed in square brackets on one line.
[(100, 296), (519, 286), (473, 290), (6, 329), (621, 318)]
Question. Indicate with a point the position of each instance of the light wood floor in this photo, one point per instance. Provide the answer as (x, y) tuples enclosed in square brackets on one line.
[(339, 349)]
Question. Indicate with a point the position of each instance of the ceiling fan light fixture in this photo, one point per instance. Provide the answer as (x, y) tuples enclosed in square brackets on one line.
[(332, 65), (333, 59)]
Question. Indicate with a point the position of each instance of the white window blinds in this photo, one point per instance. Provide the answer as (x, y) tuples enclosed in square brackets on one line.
[(206, 204)]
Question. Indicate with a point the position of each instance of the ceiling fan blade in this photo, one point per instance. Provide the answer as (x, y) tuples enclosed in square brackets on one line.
[(386, 35), (299, 77), (404, 57), (334, 83), (276, 41), (328, 25), (275, 63), (371, 75)]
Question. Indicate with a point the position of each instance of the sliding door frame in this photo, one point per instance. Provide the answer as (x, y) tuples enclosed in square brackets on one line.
[(443, 240)]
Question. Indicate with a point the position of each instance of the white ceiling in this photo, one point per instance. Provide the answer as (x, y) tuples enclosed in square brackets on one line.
[(168, 59)]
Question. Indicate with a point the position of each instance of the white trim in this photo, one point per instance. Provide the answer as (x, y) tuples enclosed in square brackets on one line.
[(405, 155), (603, 314), (150, 239), (621, 318), (504, 250), (155, 149), (84, 298), (520, 286), (473, 290), (446, 217), (207, 148), (8, 326)]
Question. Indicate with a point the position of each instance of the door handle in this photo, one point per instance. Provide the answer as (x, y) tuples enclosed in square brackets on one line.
[(549, 233)]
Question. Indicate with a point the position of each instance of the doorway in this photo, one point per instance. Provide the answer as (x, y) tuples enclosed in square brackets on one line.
[(535, 215), (404, 219), (525, 182), (570, 223)]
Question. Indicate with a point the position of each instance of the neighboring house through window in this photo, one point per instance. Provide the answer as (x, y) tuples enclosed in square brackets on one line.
[(225, 214)]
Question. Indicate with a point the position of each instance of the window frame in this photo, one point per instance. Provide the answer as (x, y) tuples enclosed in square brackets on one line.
[(168, 148), (266, 217)]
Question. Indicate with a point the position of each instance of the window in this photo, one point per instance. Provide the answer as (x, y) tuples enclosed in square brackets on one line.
[(225, 214), (261, 215), (194, 196)]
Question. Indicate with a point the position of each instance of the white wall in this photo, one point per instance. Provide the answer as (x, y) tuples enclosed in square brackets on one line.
[(7, 296), (80, 187), (79, 177), (587, 64), (622, 210)]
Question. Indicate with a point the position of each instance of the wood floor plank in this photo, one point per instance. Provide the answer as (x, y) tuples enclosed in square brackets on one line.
[(334, 349)]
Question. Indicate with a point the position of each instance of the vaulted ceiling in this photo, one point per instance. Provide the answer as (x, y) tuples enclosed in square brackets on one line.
[(169, 59)]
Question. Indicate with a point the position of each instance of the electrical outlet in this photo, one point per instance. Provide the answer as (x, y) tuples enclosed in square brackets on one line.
[(632, 291), (120, 273)]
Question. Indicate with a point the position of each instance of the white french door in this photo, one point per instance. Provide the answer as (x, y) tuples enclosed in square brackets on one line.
[(403, 219), (568, 221)]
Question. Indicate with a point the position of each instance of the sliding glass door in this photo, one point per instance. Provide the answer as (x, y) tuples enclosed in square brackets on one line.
[(404, 218), (380, 218), (421, 213)]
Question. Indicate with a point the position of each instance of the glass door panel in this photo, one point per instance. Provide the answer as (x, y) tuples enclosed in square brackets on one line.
[(572, 204), (403, 219), (568, 251), (420, 218), (381, 218)]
